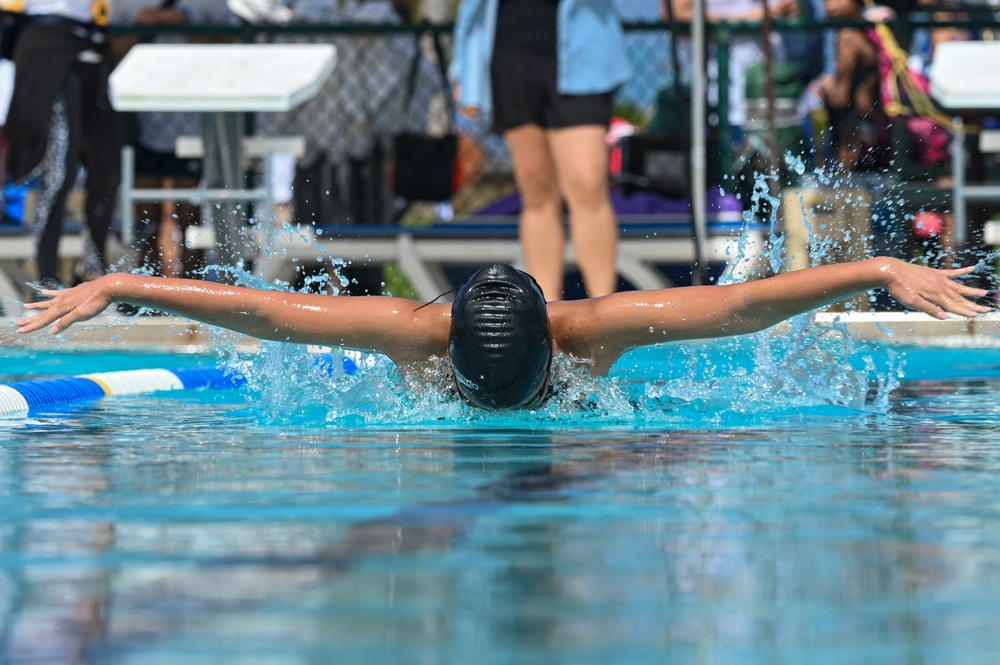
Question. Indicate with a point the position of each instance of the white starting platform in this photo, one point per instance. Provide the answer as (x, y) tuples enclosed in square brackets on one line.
[(221, 82), (965, 80)]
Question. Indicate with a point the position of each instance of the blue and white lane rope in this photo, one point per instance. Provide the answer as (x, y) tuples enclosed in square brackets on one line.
[(19, 399)]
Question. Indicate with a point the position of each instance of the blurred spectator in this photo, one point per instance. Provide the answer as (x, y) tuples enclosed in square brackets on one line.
[(60, 117), (745, 50), (921, 129), (806, 48), (154, 135), (904, 86), (859, 132), (545, 72)]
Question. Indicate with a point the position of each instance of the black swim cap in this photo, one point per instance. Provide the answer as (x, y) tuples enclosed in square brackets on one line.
[(500, 344)]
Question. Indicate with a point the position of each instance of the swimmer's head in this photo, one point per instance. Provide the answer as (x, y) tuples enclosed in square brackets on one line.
[(500, 344)]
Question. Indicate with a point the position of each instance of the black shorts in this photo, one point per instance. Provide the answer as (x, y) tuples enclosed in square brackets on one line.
[(153, 162), (524, 93)]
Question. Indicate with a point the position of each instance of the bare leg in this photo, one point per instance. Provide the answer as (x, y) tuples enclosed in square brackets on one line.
[(543, 239), (149, 214), (166, 235), (581, 157)]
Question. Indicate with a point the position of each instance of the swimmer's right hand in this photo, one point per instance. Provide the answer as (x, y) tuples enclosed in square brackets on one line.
[(68, 306), (935, 292)]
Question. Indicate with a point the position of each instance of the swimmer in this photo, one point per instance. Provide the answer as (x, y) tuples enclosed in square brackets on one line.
[(499, 333)]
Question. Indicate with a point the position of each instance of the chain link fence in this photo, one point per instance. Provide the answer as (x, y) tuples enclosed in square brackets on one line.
[(389, 79)]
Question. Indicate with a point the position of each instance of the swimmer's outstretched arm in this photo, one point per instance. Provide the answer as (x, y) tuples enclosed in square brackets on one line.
[(392, 326), (603, 328)]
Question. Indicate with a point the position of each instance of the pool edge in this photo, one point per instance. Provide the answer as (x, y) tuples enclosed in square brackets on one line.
[(111, 332)]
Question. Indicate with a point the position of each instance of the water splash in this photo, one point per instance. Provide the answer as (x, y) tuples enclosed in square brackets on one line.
[(384, 397), (804, 366), (689, 384), (692, 384)]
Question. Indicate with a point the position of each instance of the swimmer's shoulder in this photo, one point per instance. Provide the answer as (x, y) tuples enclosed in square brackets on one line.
[(570, 318), (582, 329)]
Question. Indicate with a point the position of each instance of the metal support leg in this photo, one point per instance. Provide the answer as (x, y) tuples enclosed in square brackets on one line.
[(125, 194), (958, 202), (222, 134), (265, 210)]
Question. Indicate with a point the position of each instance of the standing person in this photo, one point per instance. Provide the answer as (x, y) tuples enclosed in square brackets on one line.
[(60, 117), (745, 50), (546, 71), (858, 125)]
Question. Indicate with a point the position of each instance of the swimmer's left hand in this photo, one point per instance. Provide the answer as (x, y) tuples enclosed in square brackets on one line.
[(67, 306), (933, 291)]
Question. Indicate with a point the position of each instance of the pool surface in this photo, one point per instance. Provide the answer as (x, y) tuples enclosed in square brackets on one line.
[(801, 500)]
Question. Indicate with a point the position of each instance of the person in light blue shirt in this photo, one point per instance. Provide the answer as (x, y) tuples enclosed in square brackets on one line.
[(545, 72)]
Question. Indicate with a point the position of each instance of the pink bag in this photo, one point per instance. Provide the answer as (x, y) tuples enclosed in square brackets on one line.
[(929, 140)]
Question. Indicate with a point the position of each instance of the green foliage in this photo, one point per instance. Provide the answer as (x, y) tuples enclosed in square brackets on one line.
[(396, 283), (633, 113)]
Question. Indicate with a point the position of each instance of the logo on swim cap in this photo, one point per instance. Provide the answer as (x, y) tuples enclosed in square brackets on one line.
[(464, 381), (500, 335)]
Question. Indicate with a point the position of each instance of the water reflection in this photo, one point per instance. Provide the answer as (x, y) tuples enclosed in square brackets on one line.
[(54, 612), (868, 539)]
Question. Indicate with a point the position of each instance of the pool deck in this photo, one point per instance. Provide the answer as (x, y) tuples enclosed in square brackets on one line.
[(110, 332)]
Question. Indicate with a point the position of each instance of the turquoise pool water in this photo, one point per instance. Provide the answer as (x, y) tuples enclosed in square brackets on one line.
[(808, 501)]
